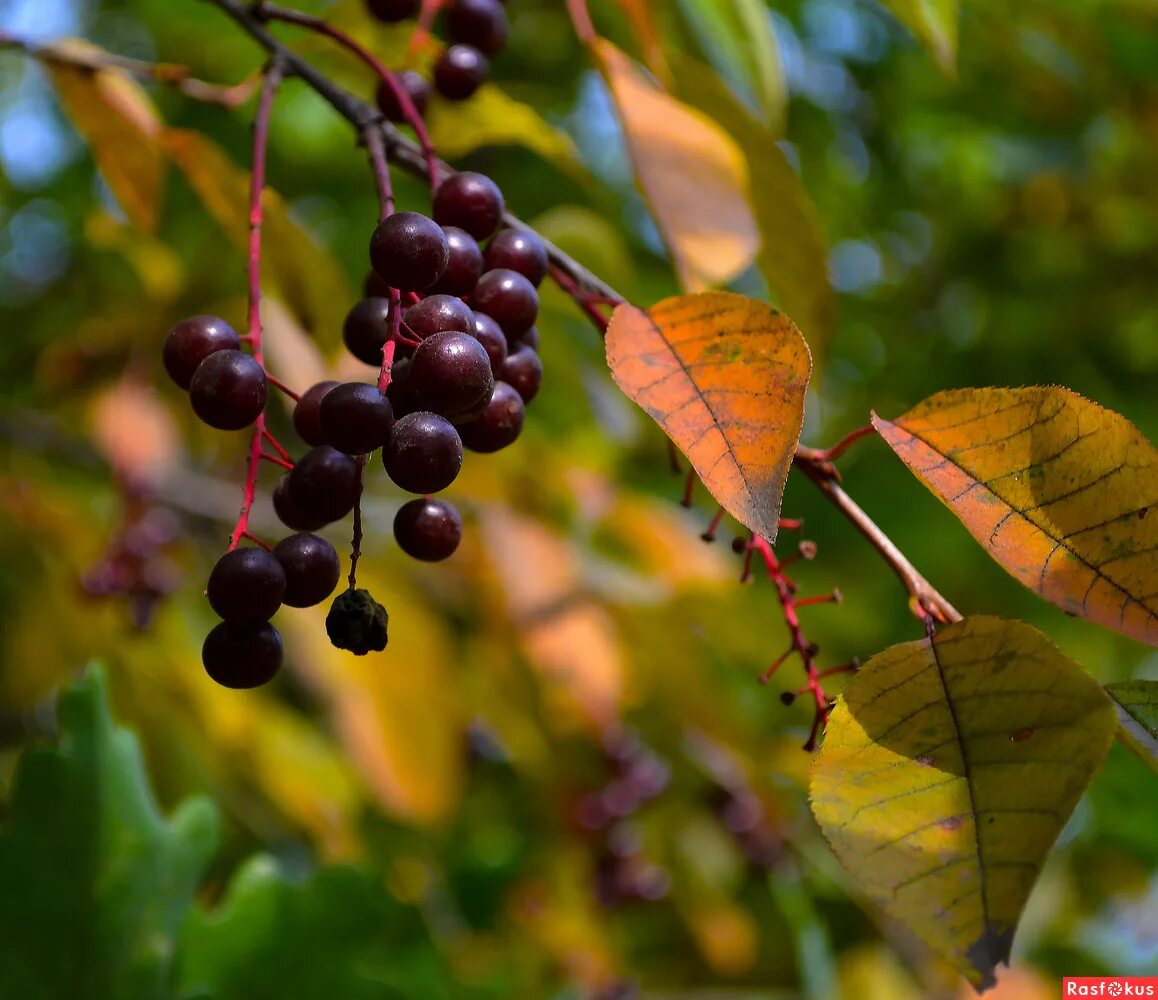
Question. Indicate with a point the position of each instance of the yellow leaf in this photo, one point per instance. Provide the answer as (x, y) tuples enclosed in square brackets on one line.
[(693, 175), (1136, 703), (726, 934), (949, 767), (1059, 491), (725, 377), (290, 353), (934, 22), (119, 122)]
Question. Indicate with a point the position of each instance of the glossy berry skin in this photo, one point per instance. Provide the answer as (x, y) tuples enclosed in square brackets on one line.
[(311, 566), (409, 251), (305, 415), (400, 392), (470, 201), (481, 23), (518, 251), (323, 485), (509, 298), (451, 374), (392, 11), (288, 512), (416, 88), (192, 340), (528, 338), (242, 655), (374, 287), (366, 328), (228, 390), (356, 418), (424, 454), (437, 314), (460, 71), (524, 371), (246, 585), (429, 530), (498, 425), (488, 333), (464, 265)]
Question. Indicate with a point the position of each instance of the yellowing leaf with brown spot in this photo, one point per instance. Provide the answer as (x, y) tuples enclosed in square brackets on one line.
[(948, 770), (1061, 492), (690, 170), (725, 377)]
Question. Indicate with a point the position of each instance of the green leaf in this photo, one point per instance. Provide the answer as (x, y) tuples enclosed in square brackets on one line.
[(1136, 703), (96, 881), (934, 22), (949, 767)]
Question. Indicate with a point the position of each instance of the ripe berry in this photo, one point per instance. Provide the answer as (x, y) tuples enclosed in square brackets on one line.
[(518, 250), (409, 251), (452, 376), (392, 11), (470, 201), (460, 71), (416, 88), (374, 287), (488, 333), (528, 338), (228, 390), (242, 655), (498, 425), (481, 23), (436, 314), (323, 485), (524, 371), (366, 328), (306, 413), (429, 530), (464, 266), (289, 513), (246, 585), (311, 569), (356, 418), (400, 392), (424, 454), (192, 340), (509, 298)]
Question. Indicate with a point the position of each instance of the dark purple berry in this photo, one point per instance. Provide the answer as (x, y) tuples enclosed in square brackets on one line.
[(509, 298), (228, 390), (415, 87), (242, 654), (481, 23), (306, 413), (400, 392), (464, 266), (528, 338), (498, 425), (311, 569), (374, 287), (460, 71), (366, 328), (246, 585), (470, 201), (518, 250), (429, 530), (409, 251), (392, 11), (437, 314), (356, 418), (452, 376), (323, 485), (524, 371), (192, 340), (289, 513), (488, 333), (424, 454)]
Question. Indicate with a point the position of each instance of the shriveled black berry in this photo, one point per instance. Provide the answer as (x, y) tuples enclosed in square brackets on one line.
[(409, 251), (429, 530), (460, 71), (524, 371), (424, 454), (246, 585), (356, 418), (437, 314), (192, 340), (464, 265), (400, 392), (470, 201), (311, 568), (498, 425), (366, 328), (242, 654), (288, 512), (414, 86), (488, 333), (323, 484), (228, 390), (306, 413), (481, 23), (357, 622), (509, 298), (451, 374), (392, 11), (518, 250)]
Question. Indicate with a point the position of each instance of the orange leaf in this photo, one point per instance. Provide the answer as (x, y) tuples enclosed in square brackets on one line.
[(135, 431), (725, 377), (1055, 487)]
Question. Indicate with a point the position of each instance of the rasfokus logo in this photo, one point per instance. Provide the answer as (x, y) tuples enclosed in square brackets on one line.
[(1110, 986)]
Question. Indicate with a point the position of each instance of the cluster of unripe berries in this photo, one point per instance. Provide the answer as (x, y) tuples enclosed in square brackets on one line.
[(476, 30)]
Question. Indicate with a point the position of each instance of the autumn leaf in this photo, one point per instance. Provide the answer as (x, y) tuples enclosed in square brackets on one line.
[(934, 22), (1055, 487), (690, 170), (725, 377), (1136, 703), (949, 767)]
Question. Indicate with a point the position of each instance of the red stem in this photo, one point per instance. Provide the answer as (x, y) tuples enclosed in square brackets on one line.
[(822, 455), (581, 19), (282, 387), (275, 444), (422, 29)]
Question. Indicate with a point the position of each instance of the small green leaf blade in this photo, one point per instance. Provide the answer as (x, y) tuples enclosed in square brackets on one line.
[(934, 22), (1136, 704)]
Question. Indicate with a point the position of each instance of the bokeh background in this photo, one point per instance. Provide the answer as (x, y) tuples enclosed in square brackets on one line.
[(563, 769)]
